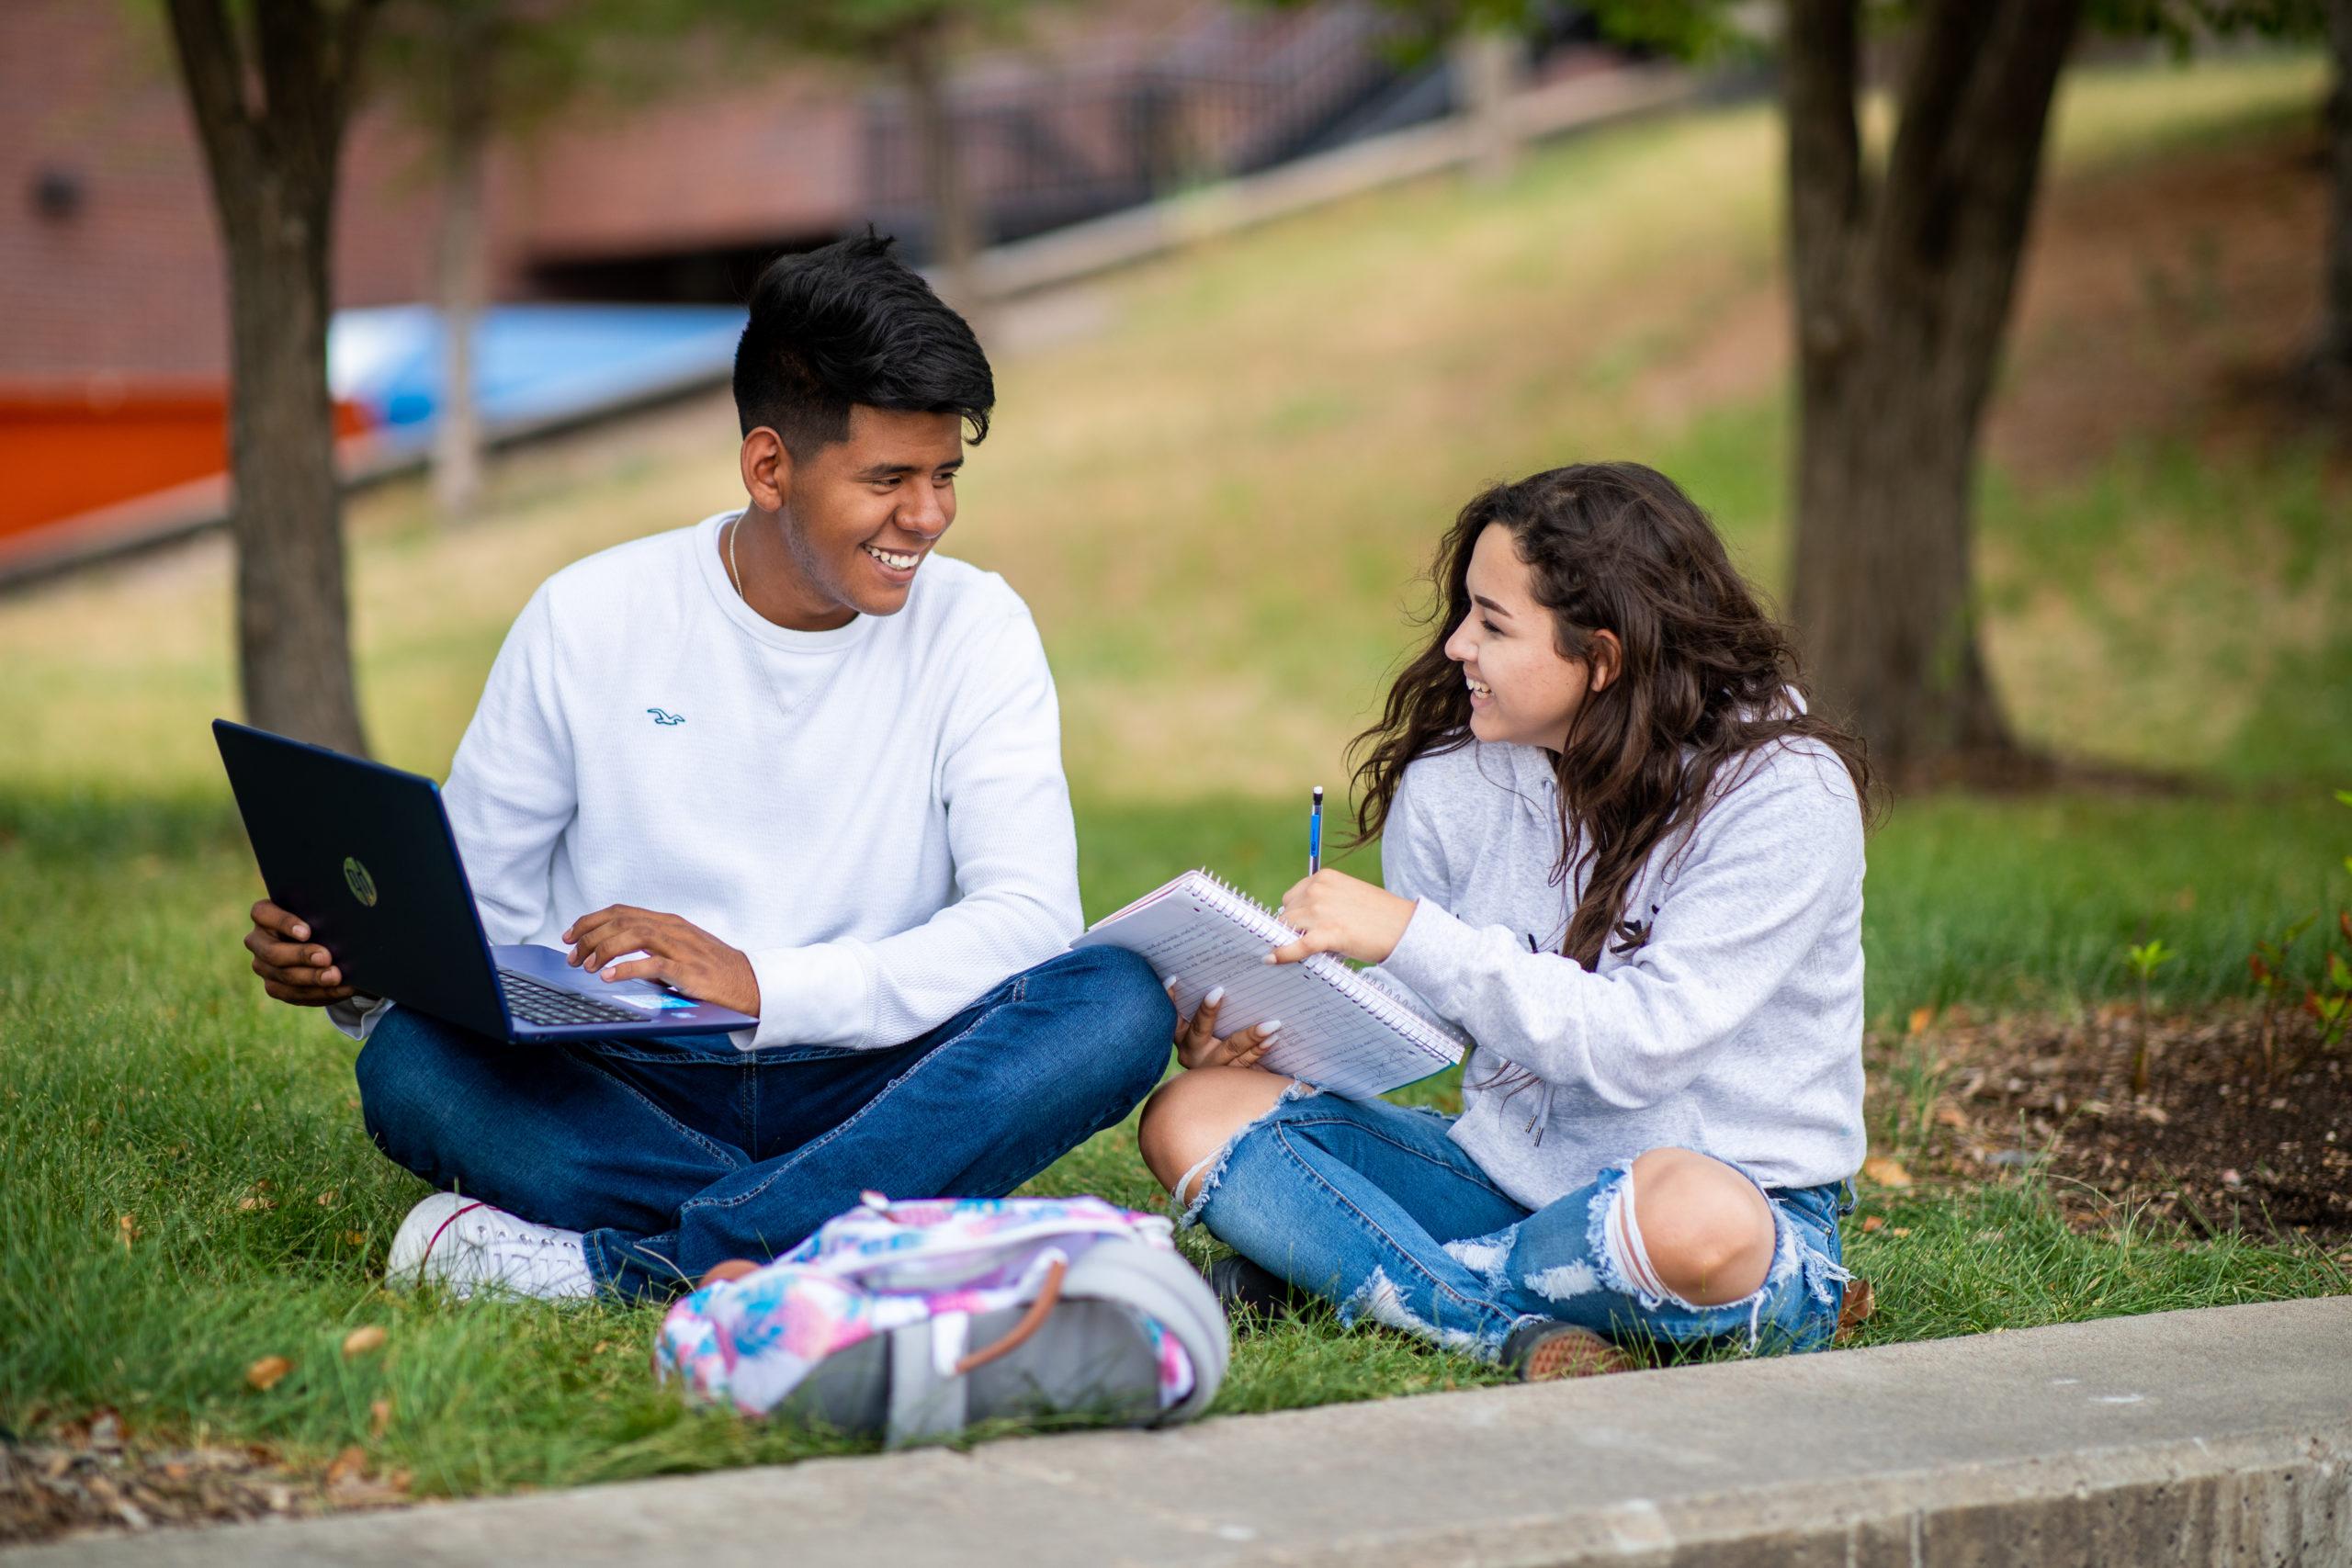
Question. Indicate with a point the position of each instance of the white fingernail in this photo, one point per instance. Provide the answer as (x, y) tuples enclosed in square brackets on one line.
[(1268, 1027), (1213, 998), (1270, 958), (1168, 985)]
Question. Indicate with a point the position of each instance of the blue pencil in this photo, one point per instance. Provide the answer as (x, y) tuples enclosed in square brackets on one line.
[(1315, 834)]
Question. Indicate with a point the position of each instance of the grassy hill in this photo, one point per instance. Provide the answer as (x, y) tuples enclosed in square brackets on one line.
[(1218, 491)]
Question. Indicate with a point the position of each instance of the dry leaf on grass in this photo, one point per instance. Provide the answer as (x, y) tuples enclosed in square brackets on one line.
[(1898, 1230), (348, 1465), (1873, 1223), (1952, 1116), (379, 1417), (1885, 1172), (1920, 1019), (264, 1374), (361, 1340)]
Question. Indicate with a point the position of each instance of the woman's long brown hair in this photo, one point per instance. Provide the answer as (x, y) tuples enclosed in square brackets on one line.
[(1703, 687)]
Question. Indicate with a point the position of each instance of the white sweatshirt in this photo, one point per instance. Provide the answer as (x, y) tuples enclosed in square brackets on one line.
[(1734, 1029), (874, 816)]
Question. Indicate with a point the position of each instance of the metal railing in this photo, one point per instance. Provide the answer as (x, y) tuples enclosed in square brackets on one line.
[(1042, 150)]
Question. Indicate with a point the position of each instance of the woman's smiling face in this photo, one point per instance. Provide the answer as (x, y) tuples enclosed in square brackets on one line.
[(1523, 691)]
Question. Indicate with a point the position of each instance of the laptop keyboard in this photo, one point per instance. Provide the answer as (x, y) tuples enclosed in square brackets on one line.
[(536, 1002)]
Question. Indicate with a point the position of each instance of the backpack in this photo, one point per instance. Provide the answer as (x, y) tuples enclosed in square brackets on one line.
[(915, 1319)]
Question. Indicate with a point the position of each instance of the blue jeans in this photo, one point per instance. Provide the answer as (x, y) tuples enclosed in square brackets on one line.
[(672, 1153), (1374, 1206)]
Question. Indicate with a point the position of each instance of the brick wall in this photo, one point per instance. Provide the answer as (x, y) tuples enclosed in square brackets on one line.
[(129, 280), (746, 148)]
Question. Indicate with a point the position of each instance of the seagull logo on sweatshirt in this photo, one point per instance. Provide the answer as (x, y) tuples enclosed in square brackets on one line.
[(665, 717)]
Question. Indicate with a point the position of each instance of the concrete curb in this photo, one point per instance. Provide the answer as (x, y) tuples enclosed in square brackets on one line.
[(2223, 1436)]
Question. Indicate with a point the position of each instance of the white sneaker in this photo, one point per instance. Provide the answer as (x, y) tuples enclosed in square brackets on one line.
[(465, 1246)]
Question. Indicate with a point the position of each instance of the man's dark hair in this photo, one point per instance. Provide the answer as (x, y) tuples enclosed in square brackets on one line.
[(851, 323)]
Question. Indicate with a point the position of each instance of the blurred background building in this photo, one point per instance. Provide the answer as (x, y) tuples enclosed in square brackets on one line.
[(618, 239)]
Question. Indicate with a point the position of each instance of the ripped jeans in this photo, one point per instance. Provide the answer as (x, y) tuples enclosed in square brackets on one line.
[(1374, 1207)]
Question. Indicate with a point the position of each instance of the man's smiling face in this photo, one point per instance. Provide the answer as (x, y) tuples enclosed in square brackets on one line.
[(860, 515)]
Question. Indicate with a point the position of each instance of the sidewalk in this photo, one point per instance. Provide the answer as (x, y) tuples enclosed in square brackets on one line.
[(2223, 1436)]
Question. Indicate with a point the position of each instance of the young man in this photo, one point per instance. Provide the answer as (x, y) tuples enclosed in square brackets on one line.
[(784, 760)]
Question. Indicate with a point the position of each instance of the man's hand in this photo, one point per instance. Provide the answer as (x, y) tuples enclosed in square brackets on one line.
[(1197, 1044), (679, 953), (1334, 912), (292, 967)]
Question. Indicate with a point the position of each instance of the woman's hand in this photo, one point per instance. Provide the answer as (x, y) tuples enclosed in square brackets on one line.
[(1334, 912), (1197, 1044), (679, 953)]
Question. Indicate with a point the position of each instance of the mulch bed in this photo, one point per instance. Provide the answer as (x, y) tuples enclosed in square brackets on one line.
[(90, 1477), (2216, 1144)]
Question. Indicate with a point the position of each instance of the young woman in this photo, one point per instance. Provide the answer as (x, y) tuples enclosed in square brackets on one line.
[(1626, 859)]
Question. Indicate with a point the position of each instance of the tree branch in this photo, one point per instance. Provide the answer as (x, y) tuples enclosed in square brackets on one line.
[(2336, 341), (1975, 111), (1826, 197), (213, 66), (291, 46), (309, 60), (347, 53)]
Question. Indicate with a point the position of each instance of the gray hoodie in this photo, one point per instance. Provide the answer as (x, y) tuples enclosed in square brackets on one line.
[(1733, 1028)]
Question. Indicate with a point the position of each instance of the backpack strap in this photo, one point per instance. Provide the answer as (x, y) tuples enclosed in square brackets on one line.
[(1049, 1295), (1163, 1287)]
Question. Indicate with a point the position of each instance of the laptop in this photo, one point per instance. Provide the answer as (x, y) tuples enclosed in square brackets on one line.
[(364, 854)]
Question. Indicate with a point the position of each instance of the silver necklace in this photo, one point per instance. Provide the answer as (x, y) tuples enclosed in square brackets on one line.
[(735, 581)]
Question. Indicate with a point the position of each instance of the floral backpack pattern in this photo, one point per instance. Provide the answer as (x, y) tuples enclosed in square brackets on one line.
[(915, 1318)]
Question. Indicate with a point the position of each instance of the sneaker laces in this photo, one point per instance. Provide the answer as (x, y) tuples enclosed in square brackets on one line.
[(496, 1246)]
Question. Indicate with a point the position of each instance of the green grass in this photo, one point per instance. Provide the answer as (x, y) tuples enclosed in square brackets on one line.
[(147, 1077), (1312, 402), (2000, 1257)]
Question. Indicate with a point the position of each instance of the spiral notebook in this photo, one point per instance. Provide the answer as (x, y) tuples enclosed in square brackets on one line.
[(1341, 1030)]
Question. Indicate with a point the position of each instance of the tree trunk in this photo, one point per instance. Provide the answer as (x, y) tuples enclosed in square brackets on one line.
[(273, 172), (2332, 356), (955, 215), (293, 615), (1485, 66), (1902, 295), (460, 266)]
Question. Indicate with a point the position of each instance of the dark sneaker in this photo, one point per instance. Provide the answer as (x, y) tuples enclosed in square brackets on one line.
[(1243, 1286), (1540, 1352)]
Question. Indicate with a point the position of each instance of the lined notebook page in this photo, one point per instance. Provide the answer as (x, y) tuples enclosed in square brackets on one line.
[(1341, 1031)]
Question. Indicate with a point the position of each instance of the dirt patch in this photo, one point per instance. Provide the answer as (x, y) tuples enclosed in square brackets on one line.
[(2164, 298), (1743, 356), (2217, 1143), (90, 1477), (2159, 299)]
